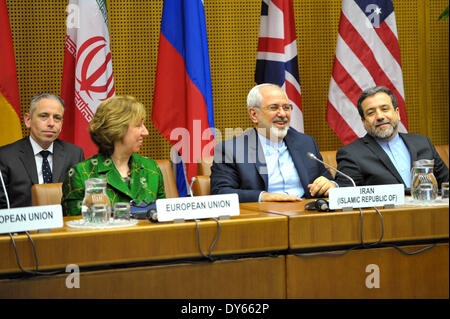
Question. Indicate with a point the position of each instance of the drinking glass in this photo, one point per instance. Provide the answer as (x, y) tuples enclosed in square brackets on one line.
[(444, 190), (427, 192), (121, 211)]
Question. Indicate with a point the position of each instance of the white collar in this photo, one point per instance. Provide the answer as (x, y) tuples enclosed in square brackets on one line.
[(268, 142), (396, 139), (37, 148)]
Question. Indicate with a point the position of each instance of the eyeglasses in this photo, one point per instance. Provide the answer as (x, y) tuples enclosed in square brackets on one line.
[(275, 108)]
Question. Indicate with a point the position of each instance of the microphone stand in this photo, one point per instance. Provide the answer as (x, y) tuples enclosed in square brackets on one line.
[(190, 186), (312, 156)]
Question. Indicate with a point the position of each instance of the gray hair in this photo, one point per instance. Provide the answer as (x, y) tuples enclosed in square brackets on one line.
[(254, 97), (41, 96), (371, 92)]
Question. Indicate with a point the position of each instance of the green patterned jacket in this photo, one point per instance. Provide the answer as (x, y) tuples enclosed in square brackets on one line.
[(146, 182)]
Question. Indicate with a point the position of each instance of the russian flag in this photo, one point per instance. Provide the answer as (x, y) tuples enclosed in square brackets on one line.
[(182, 102)]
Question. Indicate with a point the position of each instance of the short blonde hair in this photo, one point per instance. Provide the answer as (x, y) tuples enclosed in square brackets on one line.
[(112, 119)]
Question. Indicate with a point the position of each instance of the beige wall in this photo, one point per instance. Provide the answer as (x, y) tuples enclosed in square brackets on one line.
[(38, 29)]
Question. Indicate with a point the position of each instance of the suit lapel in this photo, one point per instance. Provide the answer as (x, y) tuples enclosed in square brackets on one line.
[(58, 160), (411, 147), (256, 156), (382, 156), (136, 182), (27, 157), (139, 183), (293, 146)]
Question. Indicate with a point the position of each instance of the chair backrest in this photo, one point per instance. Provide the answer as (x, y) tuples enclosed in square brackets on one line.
[(329, 157), (201, 185), (443, 152), (46, 194), (204, 166), (170, 186), (51, 194)]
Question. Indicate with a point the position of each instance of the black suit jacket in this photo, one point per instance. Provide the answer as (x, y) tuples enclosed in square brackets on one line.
[(240, 167), (368, 164), (19, 170)]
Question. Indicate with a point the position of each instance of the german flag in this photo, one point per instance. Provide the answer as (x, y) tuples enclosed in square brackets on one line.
[(10, 124)]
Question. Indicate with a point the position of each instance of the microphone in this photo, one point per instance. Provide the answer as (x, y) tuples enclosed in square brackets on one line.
[(190, 186), (312, 156), (320, 205), (4, 190)]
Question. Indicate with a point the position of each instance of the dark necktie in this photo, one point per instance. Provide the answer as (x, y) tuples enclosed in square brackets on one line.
[(46, 171)]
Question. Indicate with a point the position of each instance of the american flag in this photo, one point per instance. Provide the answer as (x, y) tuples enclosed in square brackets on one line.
[(277, 54), (367, 55)]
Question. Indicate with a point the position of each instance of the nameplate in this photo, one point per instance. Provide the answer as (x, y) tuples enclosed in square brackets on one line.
[(30, 218), (198, 207), (366, 196)]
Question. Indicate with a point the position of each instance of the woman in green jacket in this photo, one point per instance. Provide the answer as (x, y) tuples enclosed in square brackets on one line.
[(118, 130)]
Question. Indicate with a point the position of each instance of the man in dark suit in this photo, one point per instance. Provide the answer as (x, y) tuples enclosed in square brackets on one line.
[(269, 162), (383, 155), (40, 157)]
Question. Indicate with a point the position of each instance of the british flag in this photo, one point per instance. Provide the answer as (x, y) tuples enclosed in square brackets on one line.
[(367, 55), (277, 54)]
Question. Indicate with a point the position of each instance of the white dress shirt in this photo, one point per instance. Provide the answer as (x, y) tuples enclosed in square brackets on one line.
[(282, 174), (38, 158), (399, 155)]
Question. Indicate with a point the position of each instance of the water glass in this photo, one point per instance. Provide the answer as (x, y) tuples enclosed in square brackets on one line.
[(444, 190), (100, 214), (427, 192), (121, 211)]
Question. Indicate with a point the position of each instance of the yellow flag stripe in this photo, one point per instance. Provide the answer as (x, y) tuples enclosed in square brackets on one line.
[(10, 126)]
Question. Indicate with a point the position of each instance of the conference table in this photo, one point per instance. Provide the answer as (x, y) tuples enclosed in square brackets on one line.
[(269, 251), (314, 272)]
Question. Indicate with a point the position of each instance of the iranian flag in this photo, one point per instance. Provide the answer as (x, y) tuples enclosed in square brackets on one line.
[(87, 72)]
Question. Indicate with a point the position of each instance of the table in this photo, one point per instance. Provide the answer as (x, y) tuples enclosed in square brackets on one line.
[(155, 260), (323, 275), (272, 250)]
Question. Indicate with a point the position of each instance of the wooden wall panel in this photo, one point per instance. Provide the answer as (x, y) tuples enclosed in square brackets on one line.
[(262, 278), (352, 275)]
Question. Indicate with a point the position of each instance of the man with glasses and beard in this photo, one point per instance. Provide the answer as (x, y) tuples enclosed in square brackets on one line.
[(383, 155), (269, 162)]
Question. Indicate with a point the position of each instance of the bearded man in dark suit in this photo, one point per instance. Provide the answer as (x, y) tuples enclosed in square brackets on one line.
[(384, 155), (40, 157)]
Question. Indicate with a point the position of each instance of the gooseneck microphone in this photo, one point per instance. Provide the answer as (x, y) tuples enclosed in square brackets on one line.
[(312, 156), (190, 186), (4, 190)]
